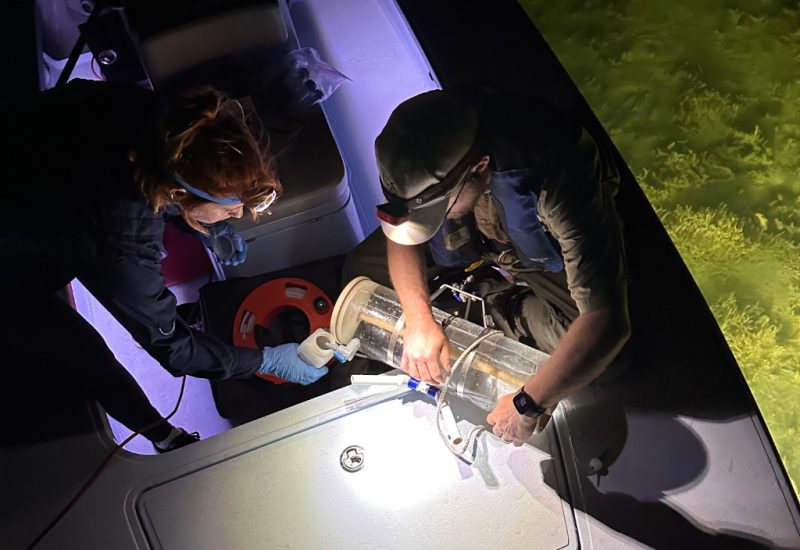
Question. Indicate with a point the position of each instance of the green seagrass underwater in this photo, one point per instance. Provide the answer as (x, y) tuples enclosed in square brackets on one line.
[(702, 98)]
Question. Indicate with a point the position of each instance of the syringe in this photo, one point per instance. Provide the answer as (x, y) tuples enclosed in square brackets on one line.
[(396, 380), (450, 426)]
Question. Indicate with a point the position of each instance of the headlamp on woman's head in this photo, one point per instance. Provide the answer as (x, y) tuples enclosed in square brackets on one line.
[(227, 201)]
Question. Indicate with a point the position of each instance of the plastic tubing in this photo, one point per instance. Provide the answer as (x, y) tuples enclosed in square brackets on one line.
[(372, 313)]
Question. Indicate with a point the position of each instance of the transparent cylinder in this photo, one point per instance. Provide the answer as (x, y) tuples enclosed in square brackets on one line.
[(372, 313)]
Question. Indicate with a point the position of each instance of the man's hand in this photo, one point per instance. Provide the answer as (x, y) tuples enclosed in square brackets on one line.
[(507, 423), (425, 351)]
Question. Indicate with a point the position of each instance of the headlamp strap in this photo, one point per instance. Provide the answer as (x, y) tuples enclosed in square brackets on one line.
[(229, 200)]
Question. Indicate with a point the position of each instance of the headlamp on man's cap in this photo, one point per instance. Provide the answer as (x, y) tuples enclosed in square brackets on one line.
[(398, 210), (393, 212)]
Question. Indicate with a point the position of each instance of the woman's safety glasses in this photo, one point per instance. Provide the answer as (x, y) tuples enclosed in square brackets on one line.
[(259, 208), (264, 205)]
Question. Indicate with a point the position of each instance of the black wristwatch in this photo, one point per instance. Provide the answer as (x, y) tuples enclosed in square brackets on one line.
[(527, 405)]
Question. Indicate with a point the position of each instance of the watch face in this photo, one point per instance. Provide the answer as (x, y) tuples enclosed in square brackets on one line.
[(526, 405), (521, 403)]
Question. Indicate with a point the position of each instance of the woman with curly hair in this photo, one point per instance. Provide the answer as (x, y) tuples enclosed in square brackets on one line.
[(91, 173)]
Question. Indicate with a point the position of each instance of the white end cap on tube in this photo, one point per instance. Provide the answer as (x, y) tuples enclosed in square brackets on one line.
[(450, 427), (317, 348)]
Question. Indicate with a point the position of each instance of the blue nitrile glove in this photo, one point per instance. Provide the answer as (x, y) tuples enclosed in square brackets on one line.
[(282, 361), (228, 246)]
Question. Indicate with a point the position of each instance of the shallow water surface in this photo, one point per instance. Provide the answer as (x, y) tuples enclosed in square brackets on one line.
[(702, 98)]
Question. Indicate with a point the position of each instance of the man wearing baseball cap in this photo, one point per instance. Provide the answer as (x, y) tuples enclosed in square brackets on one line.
[(490, 176)]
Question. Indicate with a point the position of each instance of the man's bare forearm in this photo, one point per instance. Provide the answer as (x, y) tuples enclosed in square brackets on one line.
[(588, 347), (425, 350), (408, 272)]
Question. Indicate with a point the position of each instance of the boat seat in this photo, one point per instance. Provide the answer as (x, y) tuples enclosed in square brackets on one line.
[(230, 44)]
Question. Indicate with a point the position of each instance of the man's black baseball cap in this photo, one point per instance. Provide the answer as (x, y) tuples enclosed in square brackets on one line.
[(424, 152)]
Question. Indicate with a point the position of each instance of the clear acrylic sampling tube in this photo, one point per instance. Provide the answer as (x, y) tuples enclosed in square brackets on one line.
[(372, 313)]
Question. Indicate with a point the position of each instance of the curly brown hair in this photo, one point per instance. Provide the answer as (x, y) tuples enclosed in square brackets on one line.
[(207, 139)]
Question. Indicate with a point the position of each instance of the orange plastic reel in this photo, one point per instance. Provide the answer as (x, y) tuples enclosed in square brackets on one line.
[(269, 300)]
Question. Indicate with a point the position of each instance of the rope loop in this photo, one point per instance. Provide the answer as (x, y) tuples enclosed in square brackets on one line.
[(460, 451)]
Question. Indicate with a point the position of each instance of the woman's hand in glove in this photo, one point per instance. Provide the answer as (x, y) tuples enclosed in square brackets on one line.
[(282, 361), (227, 244)]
